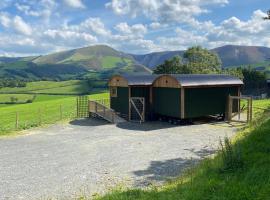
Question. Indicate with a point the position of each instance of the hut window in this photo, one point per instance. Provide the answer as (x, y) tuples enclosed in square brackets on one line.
[(113, 91)]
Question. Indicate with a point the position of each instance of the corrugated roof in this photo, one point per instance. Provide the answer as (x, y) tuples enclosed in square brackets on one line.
[(140, 79), (186, 80)]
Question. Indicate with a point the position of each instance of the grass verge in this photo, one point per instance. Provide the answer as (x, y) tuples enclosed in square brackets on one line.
[(240, 171)]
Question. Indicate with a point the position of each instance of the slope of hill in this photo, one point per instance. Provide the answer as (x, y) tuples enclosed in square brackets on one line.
[(242, 55), (100, 60), (231, 55), (151, 60)]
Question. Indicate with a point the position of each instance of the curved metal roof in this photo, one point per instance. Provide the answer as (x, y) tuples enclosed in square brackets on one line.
[(189, 80), (186, 80), (140, 79)]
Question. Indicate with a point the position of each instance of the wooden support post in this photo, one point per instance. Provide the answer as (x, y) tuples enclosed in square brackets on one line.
[(61, 112), (77, 106), (17, 120), (239, 104), (229, 108), (248, 109), (39, 116), (143, 117), (250, 112), (182, 100), (151, 101)]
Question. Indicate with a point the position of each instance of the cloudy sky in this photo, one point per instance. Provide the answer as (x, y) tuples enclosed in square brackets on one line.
[(33, 27)]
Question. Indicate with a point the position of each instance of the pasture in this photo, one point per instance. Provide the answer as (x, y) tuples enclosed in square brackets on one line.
[(72, 87), (45, 110)]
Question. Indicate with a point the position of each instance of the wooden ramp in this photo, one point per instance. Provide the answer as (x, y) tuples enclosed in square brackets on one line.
[(97, 109)]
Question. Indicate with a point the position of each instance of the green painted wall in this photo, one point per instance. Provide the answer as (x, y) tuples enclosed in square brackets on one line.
[(120, 103), (207, 101), (166, 101)]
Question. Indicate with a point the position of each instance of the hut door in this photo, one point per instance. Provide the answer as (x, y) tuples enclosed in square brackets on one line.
[(137, 109)]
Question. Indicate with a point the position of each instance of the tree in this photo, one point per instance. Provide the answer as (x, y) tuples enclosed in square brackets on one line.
[(237, 72), (202, 61), (172, 66), (268, 17), (253, 78)]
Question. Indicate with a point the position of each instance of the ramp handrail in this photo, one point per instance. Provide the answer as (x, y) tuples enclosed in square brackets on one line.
[(101, 110)]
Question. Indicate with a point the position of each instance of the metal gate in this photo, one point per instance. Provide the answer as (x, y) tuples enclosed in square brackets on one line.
[(82, 107), (137, 109)]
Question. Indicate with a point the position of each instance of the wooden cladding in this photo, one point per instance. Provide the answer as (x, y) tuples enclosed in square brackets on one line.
[(118, 81), (166, 81)]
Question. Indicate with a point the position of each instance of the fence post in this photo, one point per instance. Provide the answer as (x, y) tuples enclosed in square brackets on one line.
[(61, 113), (39, 116), (17, 120)]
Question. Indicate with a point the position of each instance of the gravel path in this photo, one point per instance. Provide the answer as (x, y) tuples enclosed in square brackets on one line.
[(90, 156)]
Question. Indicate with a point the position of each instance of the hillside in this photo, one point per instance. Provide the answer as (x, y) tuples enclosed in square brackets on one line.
[(239, 171), (230, 55), (94, 60)]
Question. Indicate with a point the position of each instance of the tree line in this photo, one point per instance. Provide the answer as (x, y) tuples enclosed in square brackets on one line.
[(198, 60), (12, 83)]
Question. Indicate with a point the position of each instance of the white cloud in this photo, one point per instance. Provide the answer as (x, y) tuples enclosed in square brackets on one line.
[(94, 25), (136, 30), (74, 3), (21, 26), (163, 10), (5, 20)]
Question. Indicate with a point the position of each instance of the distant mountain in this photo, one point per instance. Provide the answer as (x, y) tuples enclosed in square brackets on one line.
[(102, 61), (92, 61), (230, 55)]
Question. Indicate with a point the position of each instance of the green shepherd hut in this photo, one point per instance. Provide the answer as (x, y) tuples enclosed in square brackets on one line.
[(179, 97)]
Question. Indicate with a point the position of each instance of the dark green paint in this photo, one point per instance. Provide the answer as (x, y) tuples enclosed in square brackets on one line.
[(207, 101), (120, 103), (166, 101)]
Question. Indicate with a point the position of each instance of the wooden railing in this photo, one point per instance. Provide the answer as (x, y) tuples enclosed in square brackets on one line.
[(102, 111)]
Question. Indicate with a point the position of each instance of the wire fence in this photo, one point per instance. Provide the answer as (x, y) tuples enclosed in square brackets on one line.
[(36, 116)]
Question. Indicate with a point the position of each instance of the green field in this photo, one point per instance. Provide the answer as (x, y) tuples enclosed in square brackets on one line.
[(21, 98), (239, 172), (46, 110), (69, 87)]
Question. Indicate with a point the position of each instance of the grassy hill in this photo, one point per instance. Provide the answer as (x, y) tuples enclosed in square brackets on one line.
[(99, 60), (240, 171)]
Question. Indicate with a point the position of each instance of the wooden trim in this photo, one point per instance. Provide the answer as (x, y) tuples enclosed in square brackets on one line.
[(118, 81), (182, 107), (113, 88), (166, 81)]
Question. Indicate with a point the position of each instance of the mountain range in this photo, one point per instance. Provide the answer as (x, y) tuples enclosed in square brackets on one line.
[(102, 61)]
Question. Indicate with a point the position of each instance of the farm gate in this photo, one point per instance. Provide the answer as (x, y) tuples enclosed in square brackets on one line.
[(137, 109), (243, 113), (82, 106)]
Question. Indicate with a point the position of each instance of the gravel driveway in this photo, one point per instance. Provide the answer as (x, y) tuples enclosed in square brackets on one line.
[(90, 156)]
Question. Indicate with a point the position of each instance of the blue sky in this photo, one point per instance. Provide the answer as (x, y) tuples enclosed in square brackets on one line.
[(34, 27)]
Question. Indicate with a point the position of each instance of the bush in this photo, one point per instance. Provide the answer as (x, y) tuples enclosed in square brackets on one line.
[(231, 156)]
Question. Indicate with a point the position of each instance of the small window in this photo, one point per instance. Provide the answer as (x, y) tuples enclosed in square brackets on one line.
[(113, 91)]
